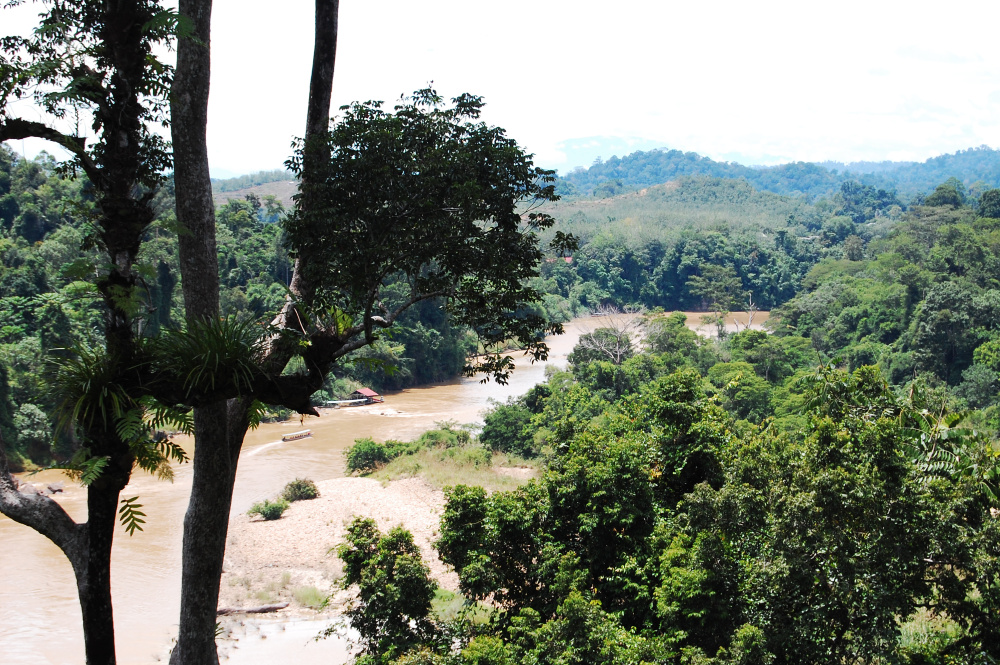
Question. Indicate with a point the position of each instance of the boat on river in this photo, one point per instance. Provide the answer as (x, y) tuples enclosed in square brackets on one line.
[(295, 436)]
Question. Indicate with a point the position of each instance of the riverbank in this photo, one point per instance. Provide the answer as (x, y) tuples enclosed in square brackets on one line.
[(146, 565), (292, 559)]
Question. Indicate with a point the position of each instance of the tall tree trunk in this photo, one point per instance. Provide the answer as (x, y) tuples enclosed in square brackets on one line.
[(316, 151), (94, 580), (219, 428), (206, 525), (206, 521), (192, 182)]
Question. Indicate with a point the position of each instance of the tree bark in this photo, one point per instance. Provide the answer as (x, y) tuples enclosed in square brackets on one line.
[(206, 521), (316, 151), (221, 427), (192, 182), (124, 187), (206, 526), (94, 585)]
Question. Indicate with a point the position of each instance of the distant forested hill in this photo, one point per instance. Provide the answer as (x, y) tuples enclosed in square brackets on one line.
[(251, 180), (976, 168), (280, 184)]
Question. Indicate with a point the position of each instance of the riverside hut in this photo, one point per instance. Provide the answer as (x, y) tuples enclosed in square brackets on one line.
[(368, 395)]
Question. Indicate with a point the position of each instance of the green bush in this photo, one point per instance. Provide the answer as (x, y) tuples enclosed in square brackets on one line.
[(366, 455), (395, 590), (440, 438), (269, 510), (299, 490), (507, 429)]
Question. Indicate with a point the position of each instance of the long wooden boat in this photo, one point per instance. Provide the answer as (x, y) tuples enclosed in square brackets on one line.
[(295, 436)]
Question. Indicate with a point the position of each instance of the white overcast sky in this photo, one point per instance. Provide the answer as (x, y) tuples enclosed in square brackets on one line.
[(756, 82)]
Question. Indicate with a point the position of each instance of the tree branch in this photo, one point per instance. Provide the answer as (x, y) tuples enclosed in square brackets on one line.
[(16, 128), (41, 514)]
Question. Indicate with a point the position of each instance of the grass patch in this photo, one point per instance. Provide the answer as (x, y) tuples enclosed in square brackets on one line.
[(933, 640), (311, 597), (444, 457), (464, 465), (265, 596), (448, 607)]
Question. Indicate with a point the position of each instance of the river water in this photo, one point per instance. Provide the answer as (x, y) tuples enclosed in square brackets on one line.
[(38, 604)]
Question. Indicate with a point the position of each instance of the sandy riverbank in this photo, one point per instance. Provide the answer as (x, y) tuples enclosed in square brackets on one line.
[(276, 561)]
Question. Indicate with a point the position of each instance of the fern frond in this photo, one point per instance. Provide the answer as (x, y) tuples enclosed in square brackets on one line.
[(172, 451), (82, 467), (87, 383), (255, 414), (130, 515), (90, 469), (131, 426), (160, 416)]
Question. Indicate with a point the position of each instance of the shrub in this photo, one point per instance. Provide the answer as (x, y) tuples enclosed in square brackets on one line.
[(269, 510), (439, 438), (507, 429), (299, 490), (395, 590), (366, 455)]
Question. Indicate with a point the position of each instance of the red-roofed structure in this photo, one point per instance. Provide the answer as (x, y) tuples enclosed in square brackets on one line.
[(367, 394)]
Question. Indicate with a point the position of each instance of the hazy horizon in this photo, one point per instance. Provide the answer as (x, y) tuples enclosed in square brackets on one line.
[(760, 85)]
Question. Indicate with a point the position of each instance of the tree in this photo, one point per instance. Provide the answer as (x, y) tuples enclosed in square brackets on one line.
[(854, 248), (612, 342), (505, 429), (947, 194), (96, 61), (422, 195), (721, 288), (989, 204), (394, 589)]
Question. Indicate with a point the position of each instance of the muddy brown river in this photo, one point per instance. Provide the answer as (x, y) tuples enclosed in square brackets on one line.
[(38, 605)]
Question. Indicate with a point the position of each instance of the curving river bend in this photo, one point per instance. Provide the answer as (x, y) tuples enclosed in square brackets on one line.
[(38, 605)]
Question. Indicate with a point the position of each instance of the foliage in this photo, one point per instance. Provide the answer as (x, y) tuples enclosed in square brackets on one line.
[(394, 590), (671, 534), (250, 180), (366, 455), (505, 429), (269, 510), (300, 489), (605, 343), (34, 432), (409, 192), (130, 516), (642, 169)]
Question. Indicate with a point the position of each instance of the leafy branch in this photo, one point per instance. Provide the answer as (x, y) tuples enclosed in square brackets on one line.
[(130, 515)]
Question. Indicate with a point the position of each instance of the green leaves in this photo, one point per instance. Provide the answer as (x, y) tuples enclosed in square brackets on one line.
[(84, 466), (394, 588), (424, 196), (94, 396), (210, 356), (130, 516)]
